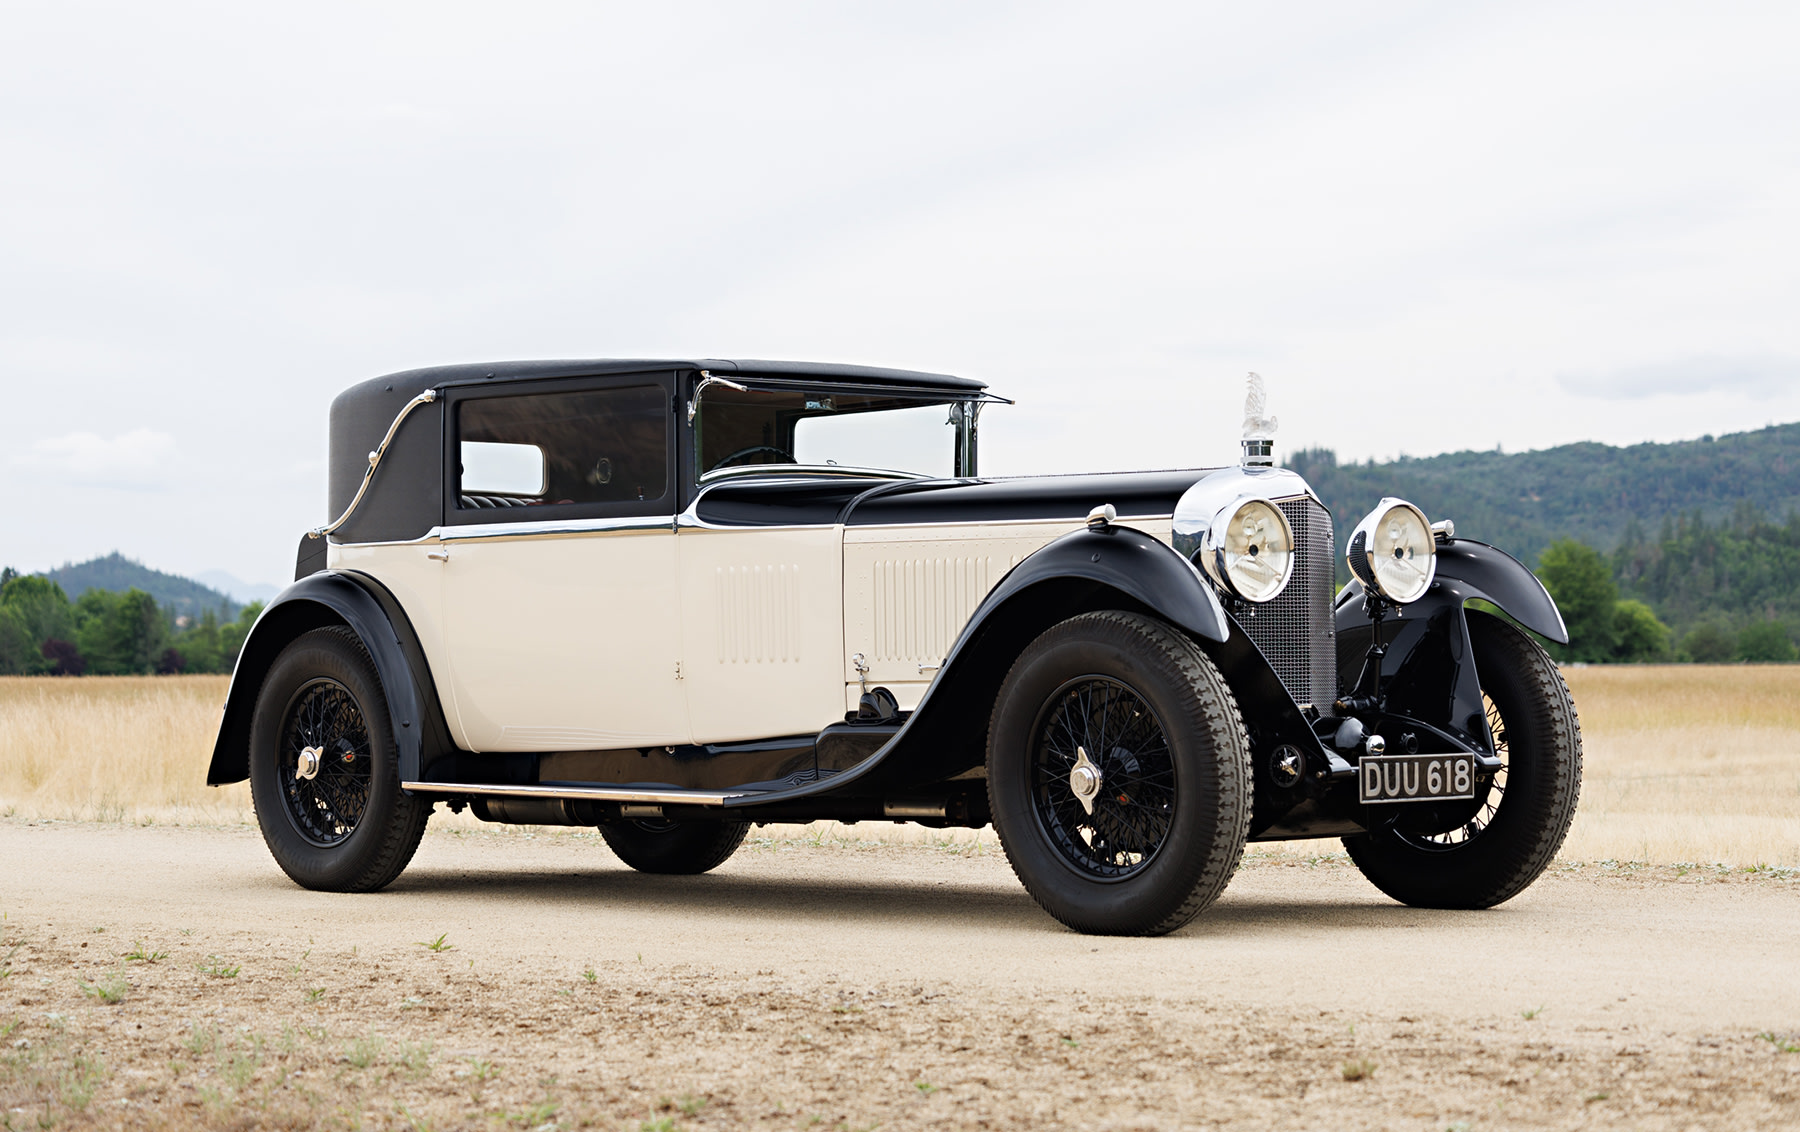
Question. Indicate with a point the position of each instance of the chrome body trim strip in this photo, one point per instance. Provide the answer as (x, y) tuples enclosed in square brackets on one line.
[(1074, 522), (554, 528), (580, 793), (424, 398), (807, 473)]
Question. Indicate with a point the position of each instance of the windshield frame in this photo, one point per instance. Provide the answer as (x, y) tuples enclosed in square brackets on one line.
[(963, 408)]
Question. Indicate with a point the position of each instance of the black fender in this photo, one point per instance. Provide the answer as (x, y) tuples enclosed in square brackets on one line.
[(1429, 671), (1124, 559), (1110, 567), (375, 616)]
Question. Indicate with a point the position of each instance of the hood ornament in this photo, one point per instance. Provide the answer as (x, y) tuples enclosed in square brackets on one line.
[(1259, 426)]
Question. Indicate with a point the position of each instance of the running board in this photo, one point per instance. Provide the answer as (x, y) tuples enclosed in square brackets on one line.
[(579, 793)]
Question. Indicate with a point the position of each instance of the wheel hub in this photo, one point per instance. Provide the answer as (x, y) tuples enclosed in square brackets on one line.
[(307, 767), (1084, 780)]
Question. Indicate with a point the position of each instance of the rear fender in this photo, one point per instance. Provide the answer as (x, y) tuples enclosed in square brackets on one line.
[(372, 613)]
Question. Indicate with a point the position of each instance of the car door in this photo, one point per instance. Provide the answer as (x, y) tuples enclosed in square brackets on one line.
[(763, 630), (560, 596)]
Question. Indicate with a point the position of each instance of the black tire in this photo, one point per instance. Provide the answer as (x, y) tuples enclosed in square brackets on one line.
[(1513, 832), (347, 827), (678, 848), (1171, 775)]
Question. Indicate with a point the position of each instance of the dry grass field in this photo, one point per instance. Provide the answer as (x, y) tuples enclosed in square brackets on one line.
[(114, 748), (1684, 763)]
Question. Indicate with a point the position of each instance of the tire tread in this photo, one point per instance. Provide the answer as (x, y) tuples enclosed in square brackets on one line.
[(404, 828), (1218, 706), (1496, 874)]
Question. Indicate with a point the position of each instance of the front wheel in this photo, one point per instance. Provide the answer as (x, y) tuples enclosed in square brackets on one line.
[(674, 847), (324, 773), (1119, 775), (1509, 834)]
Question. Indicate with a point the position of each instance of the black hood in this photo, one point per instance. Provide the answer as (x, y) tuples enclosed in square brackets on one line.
[(785, 502)]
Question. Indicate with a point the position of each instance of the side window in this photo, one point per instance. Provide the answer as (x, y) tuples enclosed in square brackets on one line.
[(556, 449)]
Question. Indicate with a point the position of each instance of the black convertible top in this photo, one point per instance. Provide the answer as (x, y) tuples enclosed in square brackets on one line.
[(409, 496), (410, 383)]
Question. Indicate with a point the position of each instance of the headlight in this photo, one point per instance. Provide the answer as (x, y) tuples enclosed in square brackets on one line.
[(1249, 550), (1392, 551)]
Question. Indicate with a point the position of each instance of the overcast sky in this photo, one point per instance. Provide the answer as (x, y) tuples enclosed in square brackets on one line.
[(1428, 226)]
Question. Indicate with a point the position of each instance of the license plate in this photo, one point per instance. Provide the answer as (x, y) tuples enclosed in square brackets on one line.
[(1415, 778)]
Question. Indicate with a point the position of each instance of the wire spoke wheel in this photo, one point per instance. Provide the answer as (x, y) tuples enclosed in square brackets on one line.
[(324, 765), (1490, 802), (1491, 850), (1134, 808), (324, 768), (1118, 774)]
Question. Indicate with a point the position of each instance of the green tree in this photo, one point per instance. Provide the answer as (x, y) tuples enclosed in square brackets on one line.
[(199, 644), (1766, 641), (1709, 643), (41, 604), (18, 652), (1640, 638), (232, 636), (1582, 584), (119, 634), (32, 610)]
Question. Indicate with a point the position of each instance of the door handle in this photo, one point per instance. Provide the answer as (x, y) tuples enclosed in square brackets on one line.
[(442, 555)]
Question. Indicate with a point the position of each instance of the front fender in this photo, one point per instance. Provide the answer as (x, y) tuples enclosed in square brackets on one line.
[(1126, 559), (1469, 569), (1113, 567), (368, 610), (1429, 671)]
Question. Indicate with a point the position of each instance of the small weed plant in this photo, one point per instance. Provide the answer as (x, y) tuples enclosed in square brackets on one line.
[(138, 954), (214, 967), (365, 1051), (1359, 1069), (111, 988)]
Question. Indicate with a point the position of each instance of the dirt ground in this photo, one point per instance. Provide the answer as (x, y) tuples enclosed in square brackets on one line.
[(157, 977)]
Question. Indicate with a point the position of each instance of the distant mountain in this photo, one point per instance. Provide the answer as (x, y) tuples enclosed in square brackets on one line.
[(236, 588), (181, 596), (1523, 501)]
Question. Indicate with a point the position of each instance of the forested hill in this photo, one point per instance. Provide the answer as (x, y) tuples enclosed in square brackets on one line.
[(180, 596), (1524, 501)]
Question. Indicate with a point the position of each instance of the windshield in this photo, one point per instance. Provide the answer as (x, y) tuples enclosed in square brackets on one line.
[(880, 432)]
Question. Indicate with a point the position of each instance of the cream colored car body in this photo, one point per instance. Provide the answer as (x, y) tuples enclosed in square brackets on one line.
[(658, 632)]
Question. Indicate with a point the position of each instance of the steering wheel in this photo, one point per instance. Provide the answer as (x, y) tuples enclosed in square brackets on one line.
[(743, 455)]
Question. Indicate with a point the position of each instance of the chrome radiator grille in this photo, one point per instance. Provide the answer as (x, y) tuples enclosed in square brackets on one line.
[(1295, 630)]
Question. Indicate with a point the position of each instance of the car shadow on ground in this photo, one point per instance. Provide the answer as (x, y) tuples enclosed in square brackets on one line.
[(883, 901)]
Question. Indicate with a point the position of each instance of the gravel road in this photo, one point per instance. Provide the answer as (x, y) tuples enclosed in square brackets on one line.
[(858, 984)]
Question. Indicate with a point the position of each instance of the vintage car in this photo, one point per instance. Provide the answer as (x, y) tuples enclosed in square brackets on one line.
[(673, 598)]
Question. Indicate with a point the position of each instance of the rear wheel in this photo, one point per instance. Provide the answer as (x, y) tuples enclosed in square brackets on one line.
[(1509, 834), (324, 774), (1119, 775), (674, 847)]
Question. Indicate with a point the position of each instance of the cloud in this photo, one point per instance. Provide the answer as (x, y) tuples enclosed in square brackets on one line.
[(1750, 375), (135, 460)]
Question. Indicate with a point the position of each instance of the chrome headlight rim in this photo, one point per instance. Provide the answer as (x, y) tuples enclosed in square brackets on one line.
[(1363, 563), (1212, 555)]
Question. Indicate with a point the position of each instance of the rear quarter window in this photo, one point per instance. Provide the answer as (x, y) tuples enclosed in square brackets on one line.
[(551, 449)]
